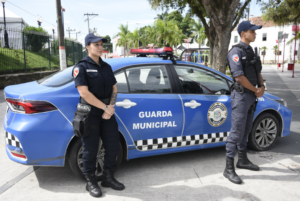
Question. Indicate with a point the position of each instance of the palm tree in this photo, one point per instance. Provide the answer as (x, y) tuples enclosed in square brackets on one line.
[(134, 39), (198, 32), (275, 48), (124, 37), (177, 38), (293, 39), (264, 50), (164, 30)]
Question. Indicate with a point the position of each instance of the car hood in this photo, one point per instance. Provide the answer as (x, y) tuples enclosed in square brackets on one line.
[(270, 96), (16, 91)]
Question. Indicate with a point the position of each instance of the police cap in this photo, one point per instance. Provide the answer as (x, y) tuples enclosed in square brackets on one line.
[(93, 38), (247, 25)]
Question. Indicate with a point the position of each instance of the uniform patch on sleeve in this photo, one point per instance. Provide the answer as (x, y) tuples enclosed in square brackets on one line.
[(75, 72), (235, 58)]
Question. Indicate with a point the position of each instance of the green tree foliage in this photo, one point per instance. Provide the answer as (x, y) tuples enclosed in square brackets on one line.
[(198, 32), (183, 23), (108, 38), (281, 11), (219, 18), (35, 38), (134, 39), (124, 38), (164, 30)]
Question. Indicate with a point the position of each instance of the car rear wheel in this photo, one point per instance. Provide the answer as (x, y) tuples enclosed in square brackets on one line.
[(76, 163), (264, 132)]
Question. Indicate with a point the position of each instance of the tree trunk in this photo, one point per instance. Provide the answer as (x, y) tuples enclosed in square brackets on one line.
[(221, 15)]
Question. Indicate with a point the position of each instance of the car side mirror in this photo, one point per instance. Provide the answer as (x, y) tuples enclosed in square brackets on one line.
[(190, 70)]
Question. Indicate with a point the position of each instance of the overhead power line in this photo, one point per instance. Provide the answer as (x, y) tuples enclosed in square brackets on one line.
[(29, 12)]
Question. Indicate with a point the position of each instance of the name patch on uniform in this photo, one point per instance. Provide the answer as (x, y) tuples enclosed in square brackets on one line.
[(217, 114), (235, 58), (75, 72), (243, 57), (91, 70)]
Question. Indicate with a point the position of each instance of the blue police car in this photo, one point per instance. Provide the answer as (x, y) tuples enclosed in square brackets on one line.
[(163, 106)]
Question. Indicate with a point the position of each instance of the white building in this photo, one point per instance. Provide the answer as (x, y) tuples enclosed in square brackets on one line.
[(267, 36), (13, 21), (14, 25)]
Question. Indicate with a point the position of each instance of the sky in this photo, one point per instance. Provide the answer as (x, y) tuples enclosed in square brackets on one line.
[(111, 14)]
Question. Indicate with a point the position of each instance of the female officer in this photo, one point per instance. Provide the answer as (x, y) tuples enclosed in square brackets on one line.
[(96, 85)]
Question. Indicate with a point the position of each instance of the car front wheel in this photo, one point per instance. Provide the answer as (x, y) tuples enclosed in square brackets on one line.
[(264, 132), (76, 163)]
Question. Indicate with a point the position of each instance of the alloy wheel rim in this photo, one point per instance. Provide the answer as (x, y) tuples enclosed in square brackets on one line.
[(265, 132), (99, 160)]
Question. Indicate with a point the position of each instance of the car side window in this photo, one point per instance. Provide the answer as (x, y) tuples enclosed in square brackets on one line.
[(121, 82), (199, 81), (148, 79)]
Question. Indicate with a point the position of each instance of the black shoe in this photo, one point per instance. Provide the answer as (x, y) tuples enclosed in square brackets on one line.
[(244, 162), (229, 171), (92, 185), (110, 181)]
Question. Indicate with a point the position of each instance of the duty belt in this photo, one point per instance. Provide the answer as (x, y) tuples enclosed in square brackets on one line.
[(241, 89), (106, 101)]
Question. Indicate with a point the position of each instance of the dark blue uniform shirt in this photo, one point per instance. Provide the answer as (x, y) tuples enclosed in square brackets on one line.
[(98, 79), (235, 58)]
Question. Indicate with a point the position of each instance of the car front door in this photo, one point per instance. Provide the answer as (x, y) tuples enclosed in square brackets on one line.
[(207, 107), (152, 114)]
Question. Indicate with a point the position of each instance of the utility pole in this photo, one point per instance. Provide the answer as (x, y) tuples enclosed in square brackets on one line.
[(69, 30), (88, 19), (61, 38)]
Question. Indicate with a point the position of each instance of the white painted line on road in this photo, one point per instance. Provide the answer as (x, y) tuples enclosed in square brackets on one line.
[(21, 176)]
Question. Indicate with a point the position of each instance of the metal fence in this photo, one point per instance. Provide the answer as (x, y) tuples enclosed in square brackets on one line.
[(33, 51)]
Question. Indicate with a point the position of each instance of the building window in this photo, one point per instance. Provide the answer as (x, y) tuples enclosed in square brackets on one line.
[(235, 39), (264, 37), (280, 34)]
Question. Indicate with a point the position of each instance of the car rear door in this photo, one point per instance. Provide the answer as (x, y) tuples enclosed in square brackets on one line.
[(148, 107), (207, 107)]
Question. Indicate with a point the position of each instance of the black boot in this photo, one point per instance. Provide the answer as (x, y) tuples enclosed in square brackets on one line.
[(92, 185), (110, 181), (229, 171), (244, 162)]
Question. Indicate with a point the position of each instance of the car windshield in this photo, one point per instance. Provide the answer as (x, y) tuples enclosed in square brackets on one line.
[(57, 79)]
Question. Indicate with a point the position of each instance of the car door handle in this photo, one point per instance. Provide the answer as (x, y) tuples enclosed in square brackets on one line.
[(125, 103), (193, 104)]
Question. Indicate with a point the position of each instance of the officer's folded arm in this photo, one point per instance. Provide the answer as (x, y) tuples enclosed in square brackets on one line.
[(91, 99), (112, 101), (242, 80)]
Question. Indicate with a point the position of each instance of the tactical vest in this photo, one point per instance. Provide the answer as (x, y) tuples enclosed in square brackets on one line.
[(251, 66)]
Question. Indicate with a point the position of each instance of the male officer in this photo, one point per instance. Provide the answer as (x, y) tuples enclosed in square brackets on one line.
[(246, 71)]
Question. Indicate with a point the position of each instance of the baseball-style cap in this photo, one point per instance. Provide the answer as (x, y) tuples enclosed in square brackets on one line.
[(247, 25), (93, 38)]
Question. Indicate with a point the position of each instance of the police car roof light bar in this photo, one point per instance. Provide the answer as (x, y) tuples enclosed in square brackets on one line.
[(161, 51), (165, 52)]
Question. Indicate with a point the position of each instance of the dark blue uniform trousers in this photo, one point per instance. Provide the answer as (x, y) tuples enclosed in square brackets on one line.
[(108, 131), (241, 122)]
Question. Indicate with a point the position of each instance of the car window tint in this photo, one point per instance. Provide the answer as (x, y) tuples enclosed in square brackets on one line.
[(121, 82), (57, 79), (199, 81), (148, 79)]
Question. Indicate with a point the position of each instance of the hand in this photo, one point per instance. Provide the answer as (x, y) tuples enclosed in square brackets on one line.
[(106, 116), (110, 109), (260, 92)]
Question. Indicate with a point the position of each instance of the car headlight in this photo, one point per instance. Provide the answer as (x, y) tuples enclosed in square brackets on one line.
[(282, 102)]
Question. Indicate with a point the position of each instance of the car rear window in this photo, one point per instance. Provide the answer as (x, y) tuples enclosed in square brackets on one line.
[(57, 79)]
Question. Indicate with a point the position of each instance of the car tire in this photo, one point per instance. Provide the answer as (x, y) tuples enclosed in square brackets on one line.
[(75, 160), (265, 131)]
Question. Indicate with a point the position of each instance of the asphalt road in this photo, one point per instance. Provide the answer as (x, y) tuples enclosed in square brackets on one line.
[(195, 175)]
